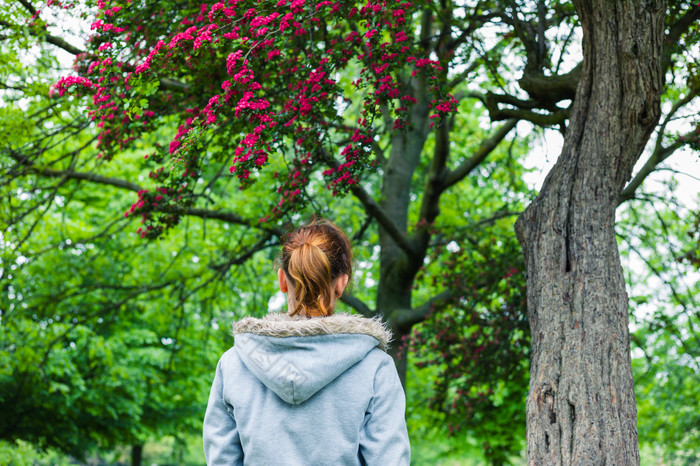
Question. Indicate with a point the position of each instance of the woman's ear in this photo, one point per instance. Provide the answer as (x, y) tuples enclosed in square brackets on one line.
[(340, 283), (282, 280)]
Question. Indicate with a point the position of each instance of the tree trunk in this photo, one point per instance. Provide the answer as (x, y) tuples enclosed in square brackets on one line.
[(401, 361), (136, 455), (397, 269), (581, 406)]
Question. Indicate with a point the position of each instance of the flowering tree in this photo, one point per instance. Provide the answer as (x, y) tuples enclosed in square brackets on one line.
[(324, 84), (306, 98)]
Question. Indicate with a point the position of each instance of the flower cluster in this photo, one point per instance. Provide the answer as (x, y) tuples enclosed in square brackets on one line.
[(64, 83), (159, 209), (270, 74)]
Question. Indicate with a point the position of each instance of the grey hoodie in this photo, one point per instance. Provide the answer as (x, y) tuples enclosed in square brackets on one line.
[(300, 391)]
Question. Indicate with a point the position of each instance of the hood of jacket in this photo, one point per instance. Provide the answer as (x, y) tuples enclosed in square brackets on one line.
[(296, 356)]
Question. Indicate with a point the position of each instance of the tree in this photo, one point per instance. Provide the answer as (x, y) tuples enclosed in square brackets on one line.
[(32, 168), (297, 96), (116, 324), (581, 406)]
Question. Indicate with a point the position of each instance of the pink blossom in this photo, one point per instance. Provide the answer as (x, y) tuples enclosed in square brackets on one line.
[(263, 20), (216, 7), (231, 61), (401, 36), (183, 36), (174, 145), (204, 35), (147, 64), (214, 100), (250, 139), (244, 75), (64, 83)]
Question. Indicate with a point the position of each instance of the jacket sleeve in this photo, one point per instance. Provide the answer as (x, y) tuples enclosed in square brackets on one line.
[(222, 443), (384, 437)]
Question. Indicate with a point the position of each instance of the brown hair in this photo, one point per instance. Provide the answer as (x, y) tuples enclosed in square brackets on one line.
[(313, 256)]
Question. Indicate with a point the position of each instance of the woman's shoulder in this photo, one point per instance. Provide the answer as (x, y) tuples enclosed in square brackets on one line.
[(379, 363), (229, 356)]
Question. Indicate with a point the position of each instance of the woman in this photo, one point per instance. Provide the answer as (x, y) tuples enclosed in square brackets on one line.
[(308, 387)]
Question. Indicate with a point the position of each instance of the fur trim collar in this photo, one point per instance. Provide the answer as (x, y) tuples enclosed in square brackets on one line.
[(279, 324)]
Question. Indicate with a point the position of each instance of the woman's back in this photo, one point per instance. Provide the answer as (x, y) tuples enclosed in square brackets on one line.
[(308, 387), (329, 395)]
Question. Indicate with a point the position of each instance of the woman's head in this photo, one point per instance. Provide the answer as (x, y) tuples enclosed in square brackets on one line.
[(316, 265)]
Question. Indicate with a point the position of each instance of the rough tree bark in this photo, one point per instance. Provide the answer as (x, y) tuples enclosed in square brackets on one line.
[(581, 406)]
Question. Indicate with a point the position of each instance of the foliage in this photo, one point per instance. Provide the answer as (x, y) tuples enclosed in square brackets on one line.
[(105, 340), (666, 336), (22, 452), (481, 347), (102, 348)]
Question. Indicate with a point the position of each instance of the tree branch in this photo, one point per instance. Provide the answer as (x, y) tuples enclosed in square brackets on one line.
[(675, 32), (28, 5), (373, 208), (522, 112), (434, 187), (551, 88), (435, 180), (655, 159), (660, 152), (173, 85), (426, 29), (473, 23), (240, 259), (61, 43), (93, 177), (57, 41), (228, 217), (357, 304), (480, 154), (376, 211), (70, 174), (458, 79), (404, 320), (439, 179), (165, 83)]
